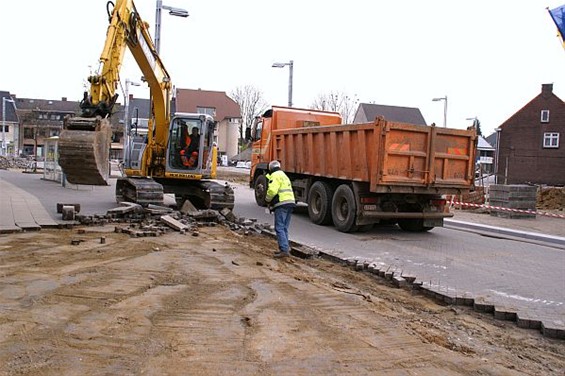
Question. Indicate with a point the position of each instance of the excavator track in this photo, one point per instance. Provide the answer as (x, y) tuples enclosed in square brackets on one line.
[(204, 194), (221, 195), (142, 191), (84, 150)]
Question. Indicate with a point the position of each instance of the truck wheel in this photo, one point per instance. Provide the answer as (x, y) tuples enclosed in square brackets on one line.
[(260, 190), (343, 209), (320, 203), (413, 225)]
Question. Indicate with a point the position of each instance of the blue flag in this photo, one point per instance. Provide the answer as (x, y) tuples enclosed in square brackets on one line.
[(558, 15)]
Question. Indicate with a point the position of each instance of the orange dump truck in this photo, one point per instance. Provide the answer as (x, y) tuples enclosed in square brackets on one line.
[(356, 175)]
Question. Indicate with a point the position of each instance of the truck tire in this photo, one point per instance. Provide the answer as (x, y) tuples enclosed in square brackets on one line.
[(320, 203), (343, 209), (260, 190), (413, 225)]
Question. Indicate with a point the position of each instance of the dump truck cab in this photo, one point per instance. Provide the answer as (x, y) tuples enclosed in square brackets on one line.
[(281, 118)]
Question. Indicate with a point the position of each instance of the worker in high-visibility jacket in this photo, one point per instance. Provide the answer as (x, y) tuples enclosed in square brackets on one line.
[(280, 198)]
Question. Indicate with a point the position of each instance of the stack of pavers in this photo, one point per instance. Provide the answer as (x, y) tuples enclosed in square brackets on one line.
[(512, 201)]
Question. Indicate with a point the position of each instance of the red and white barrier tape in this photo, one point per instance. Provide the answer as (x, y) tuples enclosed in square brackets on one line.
[(534, 212)]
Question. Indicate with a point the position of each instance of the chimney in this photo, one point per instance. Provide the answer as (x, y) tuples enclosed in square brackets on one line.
[(546, 89)]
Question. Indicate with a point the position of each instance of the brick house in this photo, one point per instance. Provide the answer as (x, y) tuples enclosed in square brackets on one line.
[(31, 121), (39, 120), (529, 146), (224, 110)]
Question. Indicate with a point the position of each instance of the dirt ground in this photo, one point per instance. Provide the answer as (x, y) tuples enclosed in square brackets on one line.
[(551, 198), (241, 177), (219, 304)]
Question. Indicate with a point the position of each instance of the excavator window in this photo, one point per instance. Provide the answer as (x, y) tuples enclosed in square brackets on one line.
[(184, 143)]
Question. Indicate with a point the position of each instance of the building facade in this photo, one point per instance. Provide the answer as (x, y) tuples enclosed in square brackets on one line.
[(40, 119), (530, 146), (9, 127)]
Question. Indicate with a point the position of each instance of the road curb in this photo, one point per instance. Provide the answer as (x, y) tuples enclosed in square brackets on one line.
[(442, 295), (535, 236)]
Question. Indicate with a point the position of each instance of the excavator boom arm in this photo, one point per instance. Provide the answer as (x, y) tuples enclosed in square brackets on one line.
[(85, 139)]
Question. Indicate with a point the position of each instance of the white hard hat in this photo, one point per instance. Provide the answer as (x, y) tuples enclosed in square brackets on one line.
[(274, 164)]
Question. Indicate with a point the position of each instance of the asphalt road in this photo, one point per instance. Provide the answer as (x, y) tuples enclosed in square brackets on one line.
[(511, 273)]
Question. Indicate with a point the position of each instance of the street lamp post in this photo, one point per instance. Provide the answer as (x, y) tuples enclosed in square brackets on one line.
[(126, 103), (4, 100), (178, 12), (474, 118), (126, 116), (290, 72), (444, 99)]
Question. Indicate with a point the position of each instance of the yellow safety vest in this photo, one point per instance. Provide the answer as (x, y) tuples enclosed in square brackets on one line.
[(279, 185)]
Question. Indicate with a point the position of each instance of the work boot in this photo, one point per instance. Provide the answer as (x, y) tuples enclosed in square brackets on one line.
[(281, 254)]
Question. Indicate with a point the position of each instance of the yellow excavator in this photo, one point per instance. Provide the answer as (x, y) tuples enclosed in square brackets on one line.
[(158, 162)]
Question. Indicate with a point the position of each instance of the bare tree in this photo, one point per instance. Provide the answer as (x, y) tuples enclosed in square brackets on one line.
[(338, 102), (251, 103)]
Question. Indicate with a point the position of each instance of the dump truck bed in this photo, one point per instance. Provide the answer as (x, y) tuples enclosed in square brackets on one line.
[(391, 157)]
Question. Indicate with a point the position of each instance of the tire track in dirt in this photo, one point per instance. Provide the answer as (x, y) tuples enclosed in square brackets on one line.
[(217, 303)]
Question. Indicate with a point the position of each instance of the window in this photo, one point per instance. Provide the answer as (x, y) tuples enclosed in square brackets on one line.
[(544, 116), (206, 110), (550, 140)]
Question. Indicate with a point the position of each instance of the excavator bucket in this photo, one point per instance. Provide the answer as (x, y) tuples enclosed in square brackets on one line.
[(84, 150)]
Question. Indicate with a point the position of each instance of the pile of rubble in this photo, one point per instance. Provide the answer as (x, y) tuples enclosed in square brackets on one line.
[(551, 198), (153, 220), (13, 162)]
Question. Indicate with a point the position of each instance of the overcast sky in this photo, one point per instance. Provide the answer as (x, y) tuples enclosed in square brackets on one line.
[(489, 57)]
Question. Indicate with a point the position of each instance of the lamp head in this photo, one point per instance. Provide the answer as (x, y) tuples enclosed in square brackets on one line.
[(179, 12)]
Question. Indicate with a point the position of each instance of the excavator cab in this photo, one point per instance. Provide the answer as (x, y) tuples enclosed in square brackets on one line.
[(190, 143)]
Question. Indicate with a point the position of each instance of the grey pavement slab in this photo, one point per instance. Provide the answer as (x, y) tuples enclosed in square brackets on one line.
[(21, 210)]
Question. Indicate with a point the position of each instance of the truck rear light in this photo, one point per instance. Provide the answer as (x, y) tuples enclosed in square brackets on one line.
[(438, 203), (369, 200)]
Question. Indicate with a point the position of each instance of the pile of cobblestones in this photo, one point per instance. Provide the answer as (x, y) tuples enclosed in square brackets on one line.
[(13, 162), (138, 221)]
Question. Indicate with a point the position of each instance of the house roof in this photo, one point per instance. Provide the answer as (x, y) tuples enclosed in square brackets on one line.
[(393, 113), (243, 156), (187, 100), (142, 105), (483, 144), (62, 105), (546, 93), (491, 139), (11, 115)]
